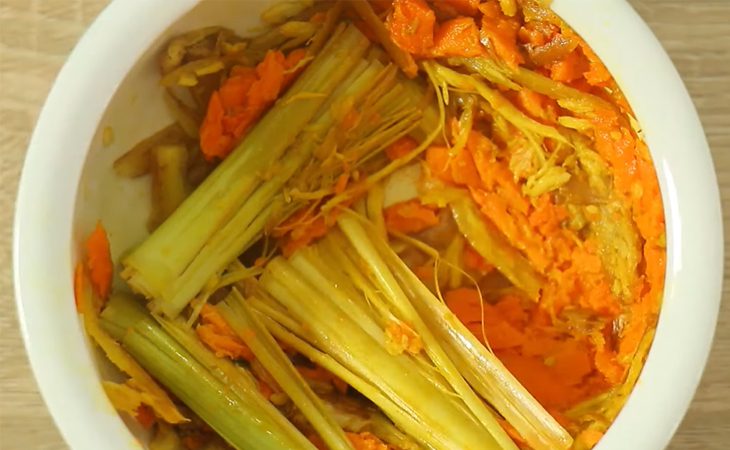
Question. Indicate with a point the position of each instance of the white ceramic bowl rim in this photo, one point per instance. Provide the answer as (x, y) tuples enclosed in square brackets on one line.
[(44, 257)]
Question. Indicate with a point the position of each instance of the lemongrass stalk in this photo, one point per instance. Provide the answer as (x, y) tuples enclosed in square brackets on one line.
[(486, 374), (432, 438), (241, 416), (241, 319), (386, 281), (397, 376), (248, 223), (162, 257)]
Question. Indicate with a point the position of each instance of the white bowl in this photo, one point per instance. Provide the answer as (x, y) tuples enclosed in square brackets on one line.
[(110, 79)]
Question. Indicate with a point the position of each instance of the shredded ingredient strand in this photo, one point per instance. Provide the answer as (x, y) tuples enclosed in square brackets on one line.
[(215, 332)]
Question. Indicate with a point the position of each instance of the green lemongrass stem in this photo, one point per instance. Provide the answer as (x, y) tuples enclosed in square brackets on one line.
[(241, 319), (333, 270), (484, 371), (162, 257), (397, 376), (431, 126), (224, 246), (386, 281), (336, 288), (244, 420), (431, 437)]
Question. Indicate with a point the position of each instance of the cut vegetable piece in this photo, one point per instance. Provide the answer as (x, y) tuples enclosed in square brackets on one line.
[(233, 408), (154, 266), (150, 391), (489, 243), (402, 58), (169, 165), (136, 161), (348, 314), (500, 104), (268, 352), (482, 369)]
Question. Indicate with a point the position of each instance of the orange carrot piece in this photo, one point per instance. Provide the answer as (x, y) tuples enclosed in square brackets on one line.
[(366, 441), (411, 26), (453, 7), (401, 148), (145, 416), (213, 142), (437, 160), (341, 183), (570, 68), (219, 337), (501, 32), (410, 217), (243, 98), (457, 37), (99, 261), (305, 235)]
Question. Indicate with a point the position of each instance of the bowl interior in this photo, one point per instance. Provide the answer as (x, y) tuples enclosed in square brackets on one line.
[(133, 108)]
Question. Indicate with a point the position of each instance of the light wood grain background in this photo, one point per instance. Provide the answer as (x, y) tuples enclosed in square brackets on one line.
[(37, 35)]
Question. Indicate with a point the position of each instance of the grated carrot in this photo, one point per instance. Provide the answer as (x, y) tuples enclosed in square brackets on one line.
[(457, 37), (501, 32), (411, 25), (366, 441), (99, 261), (401, 148), (219, 337), (243, 98), (145, 416), (410, 217)]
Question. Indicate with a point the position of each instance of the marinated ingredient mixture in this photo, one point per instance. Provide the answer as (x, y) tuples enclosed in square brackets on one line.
[(384, 225)]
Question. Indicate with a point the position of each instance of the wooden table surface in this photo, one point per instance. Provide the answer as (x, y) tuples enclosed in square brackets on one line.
[(37, 35)]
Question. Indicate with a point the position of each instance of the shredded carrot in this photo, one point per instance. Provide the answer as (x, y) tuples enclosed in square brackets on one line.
[(501, 32), (243, 98), (366, 441), (456, 7), (401, 148), (219, 337), (539, 107), (402, 338), (512, 432), (99, 261), (570, 68), (411, 25), (410, 217), (457, 37), (145, 416)]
